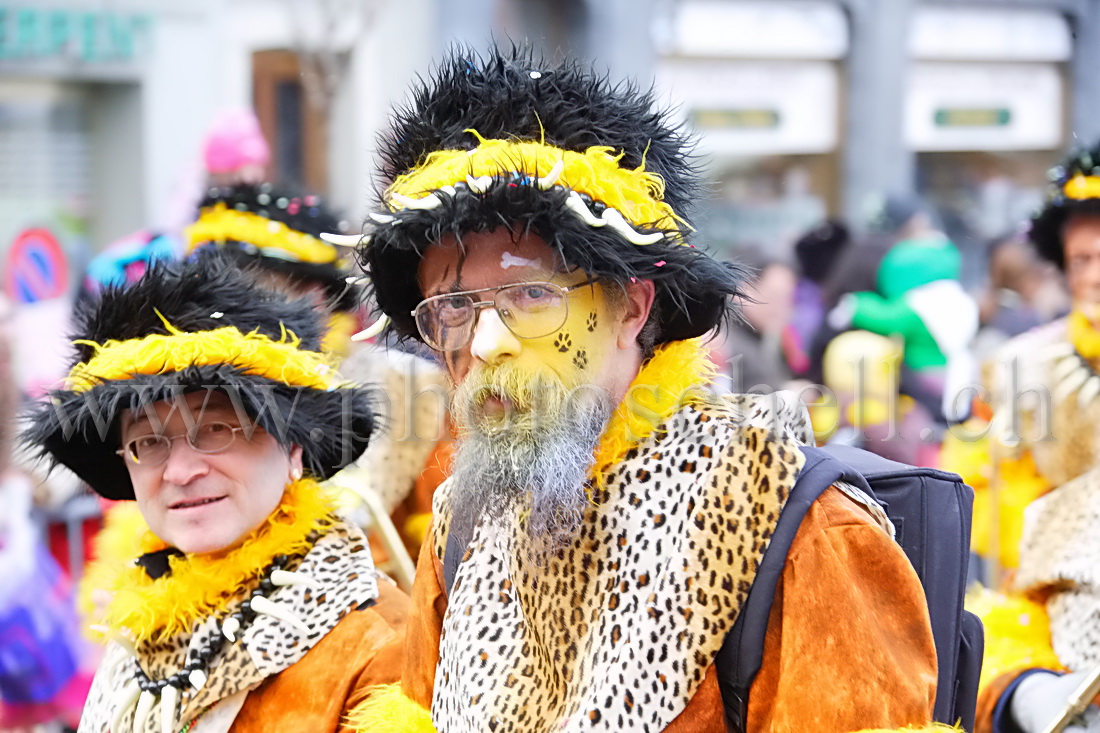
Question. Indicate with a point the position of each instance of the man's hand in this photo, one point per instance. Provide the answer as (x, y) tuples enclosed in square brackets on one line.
[(1042, 697)]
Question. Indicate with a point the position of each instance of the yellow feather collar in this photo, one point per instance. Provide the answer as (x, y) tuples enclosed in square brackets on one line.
[(676, 375), (1084, 336), (198, 586)]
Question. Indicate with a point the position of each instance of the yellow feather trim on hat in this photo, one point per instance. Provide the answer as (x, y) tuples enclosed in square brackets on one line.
[(389, 710), (637, 194), (1081, 187), (218, 224), (197, 586), (281, 361), (674, 376)]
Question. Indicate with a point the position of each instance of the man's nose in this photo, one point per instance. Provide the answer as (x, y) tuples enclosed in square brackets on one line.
[(184, 463), (493, 342)]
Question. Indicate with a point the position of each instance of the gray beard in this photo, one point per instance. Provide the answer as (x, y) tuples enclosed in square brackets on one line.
[(543, 465)]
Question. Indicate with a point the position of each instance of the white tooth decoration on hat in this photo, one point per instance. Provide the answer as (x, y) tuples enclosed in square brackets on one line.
[(448, 189), (616, 221), (1070, 383), (429, 202), (381, 218), (270, 608), (372, 330), (197, 678), (125, 701), (479, 184), (1064, 368), (343, 240), (1089, 391), (547, 182), (286, 577), (144, 707), (168, 700), (576, 204), (230, 627)]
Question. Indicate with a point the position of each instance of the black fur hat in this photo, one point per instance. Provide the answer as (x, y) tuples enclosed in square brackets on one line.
[(288, 389), (1074, 189), (295, 216), (517, 97)]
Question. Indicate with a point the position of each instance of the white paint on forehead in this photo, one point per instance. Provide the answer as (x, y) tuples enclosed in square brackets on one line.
[(510, 260)]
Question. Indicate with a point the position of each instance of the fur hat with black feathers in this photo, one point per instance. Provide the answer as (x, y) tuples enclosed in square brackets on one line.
[(191, 326), (1074, 188), (592, 167), (277, 229)]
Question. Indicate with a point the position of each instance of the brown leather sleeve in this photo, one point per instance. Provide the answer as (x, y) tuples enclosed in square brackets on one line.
[(849, 642), (362, 651), (988, 697), (429, 604)]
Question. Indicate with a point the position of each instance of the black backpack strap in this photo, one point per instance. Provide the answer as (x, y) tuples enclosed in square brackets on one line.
[(457, 541), (742, 653)]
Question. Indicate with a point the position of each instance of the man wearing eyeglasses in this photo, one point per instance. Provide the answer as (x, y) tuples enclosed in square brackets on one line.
[(606, 513), (237, 599)]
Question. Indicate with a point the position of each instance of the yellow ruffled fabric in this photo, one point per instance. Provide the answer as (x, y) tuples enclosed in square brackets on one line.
[(119, 595), (637, 194), (1017, 633), (281, 361), (676, 375), (389, 710), (218, 224)]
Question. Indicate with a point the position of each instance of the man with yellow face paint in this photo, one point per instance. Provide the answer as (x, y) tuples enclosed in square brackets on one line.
[(606, 513)]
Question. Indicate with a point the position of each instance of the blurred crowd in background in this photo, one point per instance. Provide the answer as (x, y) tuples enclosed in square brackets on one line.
[(875, 164)]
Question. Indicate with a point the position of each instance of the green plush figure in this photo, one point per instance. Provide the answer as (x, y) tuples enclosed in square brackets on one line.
[(919, 300)]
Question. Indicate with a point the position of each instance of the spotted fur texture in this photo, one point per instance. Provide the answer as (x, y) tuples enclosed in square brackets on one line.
[(616, 631), (343, 577), (1058, 559)]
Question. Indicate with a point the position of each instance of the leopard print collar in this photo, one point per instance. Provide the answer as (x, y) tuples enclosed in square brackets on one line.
[(1057, 559), (341, 577), (616, 631)]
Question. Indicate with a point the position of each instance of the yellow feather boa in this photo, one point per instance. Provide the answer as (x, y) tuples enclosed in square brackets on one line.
[(388, 710), (198, 586), (637, 194), (1084, 336), (674, 376)]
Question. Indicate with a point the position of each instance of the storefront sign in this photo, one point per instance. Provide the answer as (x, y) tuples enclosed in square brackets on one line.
[(28, 33), (983, 106), (971, 117), (755, 107), (772, 29)]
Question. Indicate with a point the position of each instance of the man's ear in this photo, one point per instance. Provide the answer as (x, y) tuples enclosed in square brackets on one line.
[(636, 308)]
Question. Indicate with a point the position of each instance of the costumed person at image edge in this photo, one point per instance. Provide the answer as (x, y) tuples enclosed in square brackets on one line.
[(610, 547), (285, 241), (246, 604), (1044, 483)]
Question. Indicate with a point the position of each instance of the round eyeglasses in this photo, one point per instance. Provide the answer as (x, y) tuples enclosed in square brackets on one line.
[(152, 449), (529, 310)]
